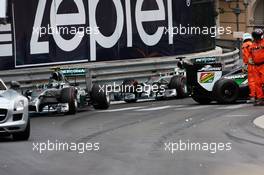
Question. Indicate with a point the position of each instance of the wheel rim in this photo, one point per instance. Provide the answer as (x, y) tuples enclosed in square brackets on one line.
[(75, 103), (185, 90), (107, 98), (229, 92)]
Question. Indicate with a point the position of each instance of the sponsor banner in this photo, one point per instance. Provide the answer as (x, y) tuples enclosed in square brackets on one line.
[(3, 8), (207, 77), (6, 47), (71, 31), (74, 72)]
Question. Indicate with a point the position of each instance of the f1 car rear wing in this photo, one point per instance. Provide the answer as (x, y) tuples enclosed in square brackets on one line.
[(70, 72), (75, 74), (198, 62)]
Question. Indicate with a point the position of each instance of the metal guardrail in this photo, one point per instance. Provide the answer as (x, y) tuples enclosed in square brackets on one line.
[(230, 60), (114, 71)]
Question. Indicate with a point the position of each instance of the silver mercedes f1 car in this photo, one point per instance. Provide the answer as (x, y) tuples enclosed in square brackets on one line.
[(14, 118)]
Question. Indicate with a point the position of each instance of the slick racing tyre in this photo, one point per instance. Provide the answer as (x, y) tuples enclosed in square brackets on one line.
[(68, 95), (129, 86), (100, 99), (179, 83), (201, 100), (24, 135), (226, 91)]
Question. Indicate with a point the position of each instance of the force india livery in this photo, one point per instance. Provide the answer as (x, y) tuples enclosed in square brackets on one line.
[(13, 113), (207, 82)]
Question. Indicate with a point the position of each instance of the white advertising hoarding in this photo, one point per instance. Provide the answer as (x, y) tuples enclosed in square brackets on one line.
[(3, 8)]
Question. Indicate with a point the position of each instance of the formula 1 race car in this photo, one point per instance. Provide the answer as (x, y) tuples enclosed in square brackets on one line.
[(207, 82), (163, 86), (64, 97), (14, 118)]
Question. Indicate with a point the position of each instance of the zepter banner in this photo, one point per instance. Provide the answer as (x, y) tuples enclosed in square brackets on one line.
[(3, 8), (46, 32)]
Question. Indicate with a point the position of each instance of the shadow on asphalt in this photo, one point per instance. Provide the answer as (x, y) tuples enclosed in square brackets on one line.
[(6, 138), (190, 103), (56, 114), (9, 139)]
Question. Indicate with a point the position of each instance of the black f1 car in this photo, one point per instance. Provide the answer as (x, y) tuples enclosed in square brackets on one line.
[(207, 82)]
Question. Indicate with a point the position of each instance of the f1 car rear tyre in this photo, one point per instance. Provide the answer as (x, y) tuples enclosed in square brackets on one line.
[(226, 91), (100, 99), (68, 95), (130, 83), (179, 83), (24, 135), (201, 100)]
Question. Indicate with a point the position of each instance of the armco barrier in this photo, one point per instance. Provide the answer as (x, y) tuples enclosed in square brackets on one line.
[(116, 71)]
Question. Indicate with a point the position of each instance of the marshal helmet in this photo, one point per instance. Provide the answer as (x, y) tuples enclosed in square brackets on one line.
[(247, 36), (257, 34)]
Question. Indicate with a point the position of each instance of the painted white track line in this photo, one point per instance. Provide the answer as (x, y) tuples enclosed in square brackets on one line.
[(259, 121), (193, 107), (154, 109), (140, 108), (178, 108), (123, 102), (236, 115), (122, 109), (233, 106)]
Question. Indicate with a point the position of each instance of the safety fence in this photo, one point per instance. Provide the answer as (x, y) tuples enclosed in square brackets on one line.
[(116, 71)]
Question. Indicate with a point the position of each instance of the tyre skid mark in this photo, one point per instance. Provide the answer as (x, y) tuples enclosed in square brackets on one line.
[(164, 137), (242, 140), (96, 134), (157, 145), (254, 134)]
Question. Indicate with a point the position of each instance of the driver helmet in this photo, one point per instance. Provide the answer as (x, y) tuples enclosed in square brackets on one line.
[(57, 76)]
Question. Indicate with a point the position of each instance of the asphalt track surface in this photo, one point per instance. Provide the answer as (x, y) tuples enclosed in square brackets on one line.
[(132, 139)]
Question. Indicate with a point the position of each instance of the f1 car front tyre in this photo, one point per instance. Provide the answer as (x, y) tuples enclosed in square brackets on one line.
[(24, 135), (179, 83), (68, 95), (100, 99), (226, 91)]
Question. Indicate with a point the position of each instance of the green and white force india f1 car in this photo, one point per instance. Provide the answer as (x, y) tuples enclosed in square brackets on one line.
[(207, 82)]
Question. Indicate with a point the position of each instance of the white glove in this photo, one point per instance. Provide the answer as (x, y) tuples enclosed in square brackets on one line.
[(250, 61)]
